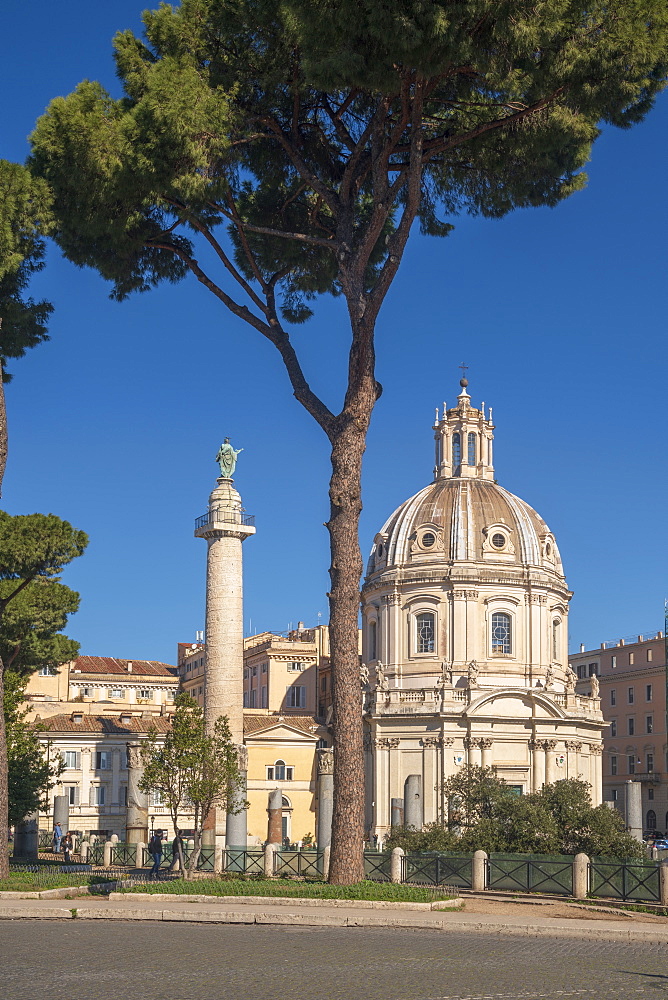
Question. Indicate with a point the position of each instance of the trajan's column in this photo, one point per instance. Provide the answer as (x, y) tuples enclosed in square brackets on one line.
[(224, 527)]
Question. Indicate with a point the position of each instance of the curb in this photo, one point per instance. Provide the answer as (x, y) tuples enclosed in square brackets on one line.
[(299, 901)]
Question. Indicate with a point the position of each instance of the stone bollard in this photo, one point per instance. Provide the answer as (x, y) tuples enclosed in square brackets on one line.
[(580, 876), (325, 861), (663, 882), (139, 855), (269, 859), (83, 851), (114, 838), (479, 871), (106, 854), (396, 864), (218, 859)]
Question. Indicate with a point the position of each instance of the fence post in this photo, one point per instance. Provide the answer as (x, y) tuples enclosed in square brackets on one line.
[(106, 854), (396, 864), (139, 855), (218, 859), (479, 871), (580, 876), (325, 861), (269, 856), (83, 851), (663, 882)]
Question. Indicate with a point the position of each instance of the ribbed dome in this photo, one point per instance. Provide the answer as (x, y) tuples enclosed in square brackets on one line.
[(465, 520)]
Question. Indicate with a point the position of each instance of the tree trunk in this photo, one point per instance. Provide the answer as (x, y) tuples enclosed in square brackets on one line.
[(194, 857), (4, 788), (347, 847)]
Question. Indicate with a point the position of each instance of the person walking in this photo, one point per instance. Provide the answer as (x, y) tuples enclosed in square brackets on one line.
[(66, 846), (155, 850), (57, 837)]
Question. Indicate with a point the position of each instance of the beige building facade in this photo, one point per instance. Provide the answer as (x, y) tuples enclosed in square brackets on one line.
[(631, 677), (465, 625)]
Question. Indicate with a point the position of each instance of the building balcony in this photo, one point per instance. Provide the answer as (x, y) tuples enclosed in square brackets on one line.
[(651, 777)]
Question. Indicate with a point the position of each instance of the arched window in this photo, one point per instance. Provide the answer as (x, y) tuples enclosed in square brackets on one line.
[(373, 632), (555, 640), (425, 631), (456, 451), (279, 770), (471, 449), (501, 633), (650, 820)]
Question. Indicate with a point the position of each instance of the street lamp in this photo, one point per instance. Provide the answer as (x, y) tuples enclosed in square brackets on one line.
[(152, 818)]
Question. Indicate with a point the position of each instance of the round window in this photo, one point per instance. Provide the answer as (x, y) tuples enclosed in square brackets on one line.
[(498, 540), (428, 539)]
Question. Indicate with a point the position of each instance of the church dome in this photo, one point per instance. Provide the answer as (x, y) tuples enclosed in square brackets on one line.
[(464, 516), (465, 520)]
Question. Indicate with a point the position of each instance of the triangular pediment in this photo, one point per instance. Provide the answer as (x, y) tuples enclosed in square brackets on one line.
[(281, 731)]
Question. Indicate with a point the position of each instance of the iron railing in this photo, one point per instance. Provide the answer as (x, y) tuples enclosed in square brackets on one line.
[(377, 866), (438, 869), (531, 873), (225, 517), (124, 854), (305, 863), (239, 860), (632, 880)]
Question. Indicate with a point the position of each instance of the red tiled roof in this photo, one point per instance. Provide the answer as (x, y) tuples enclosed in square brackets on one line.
[(112, 665), (109, 725)]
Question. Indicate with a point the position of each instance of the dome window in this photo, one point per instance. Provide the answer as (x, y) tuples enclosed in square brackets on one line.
[(456, 452), (498, 540), (501, 633), (428, 539), (425, 631), (471, 449)]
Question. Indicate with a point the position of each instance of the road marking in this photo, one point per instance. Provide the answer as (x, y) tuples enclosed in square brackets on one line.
[(552, 995)]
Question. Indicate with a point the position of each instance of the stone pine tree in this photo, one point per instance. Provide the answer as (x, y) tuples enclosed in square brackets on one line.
[(193, 769), (276, 150), (25, 218), (33, 550)]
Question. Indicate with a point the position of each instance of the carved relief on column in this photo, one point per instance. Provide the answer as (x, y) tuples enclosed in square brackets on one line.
[(437, 741), (326, 760), (242, 757), (386, 743), (550, 763), (485, 745)]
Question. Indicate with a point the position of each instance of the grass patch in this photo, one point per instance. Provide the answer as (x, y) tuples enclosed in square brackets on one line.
[(39, 881), (382, 891)]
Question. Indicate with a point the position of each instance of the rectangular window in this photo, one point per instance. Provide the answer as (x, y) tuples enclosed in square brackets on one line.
[(649, 723), (613, 727), (289, 773), (296, 665), (593, 669), (124, 795), (72, 793), (323, 683), (97, 795), (632, 763), (144, 692), (48, 672), (245, 699), (253, 696), (264, 668), (649, 655), (632, 659), (650, 793), (613, 795), (155, 799), (72, 760), (254, 671), (613, 696), (613, 764), (648, 692), (631, 727), (650, 763), (263, 697), (116, 693), (582, 670), (296, 696), (270, 774), (631, 696), (613, 662), (425, 633), (103, 760)]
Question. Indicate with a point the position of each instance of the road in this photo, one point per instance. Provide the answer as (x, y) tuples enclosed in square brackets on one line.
[(70, 960)]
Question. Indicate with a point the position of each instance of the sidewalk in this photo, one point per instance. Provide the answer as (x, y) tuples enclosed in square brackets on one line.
[(295, 913)]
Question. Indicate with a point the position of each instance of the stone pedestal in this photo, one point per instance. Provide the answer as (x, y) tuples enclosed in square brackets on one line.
[(325, 798), (136, 821), (26, 838)]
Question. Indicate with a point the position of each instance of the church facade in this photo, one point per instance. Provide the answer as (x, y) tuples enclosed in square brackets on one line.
[(465, 640)]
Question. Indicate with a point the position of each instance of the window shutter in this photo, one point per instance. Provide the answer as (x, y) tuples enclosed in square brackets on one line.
[(91, 795), (76, 794), (78, 763)]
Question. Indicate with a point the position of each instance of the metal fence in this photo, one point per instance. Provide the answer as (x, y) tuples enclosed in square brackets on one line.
[(531, 873), (377, 866), (631, 880), (308, 864), (239, 860), (124, 854), (438, 869)]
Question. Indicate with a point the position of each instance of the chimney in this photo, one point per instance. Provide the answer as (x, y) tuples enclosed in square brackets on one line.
[(582, 647), (129, 666)]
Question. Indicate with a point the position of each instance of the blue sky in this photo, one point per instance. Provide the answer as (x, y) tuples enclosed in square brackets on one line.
[(560, 315)]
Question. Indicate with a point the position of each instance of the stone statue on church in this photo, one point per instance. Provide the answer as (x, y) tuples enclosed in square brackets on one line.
[(364, 676), (570, 681), (227, 458), (381, 679), (594, 686), (446, 674), (549, 677), (473, 673)]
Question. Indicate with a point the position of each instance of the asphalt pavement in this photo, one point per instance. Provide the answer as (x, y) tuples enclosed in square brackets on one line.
[(119, 960)]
